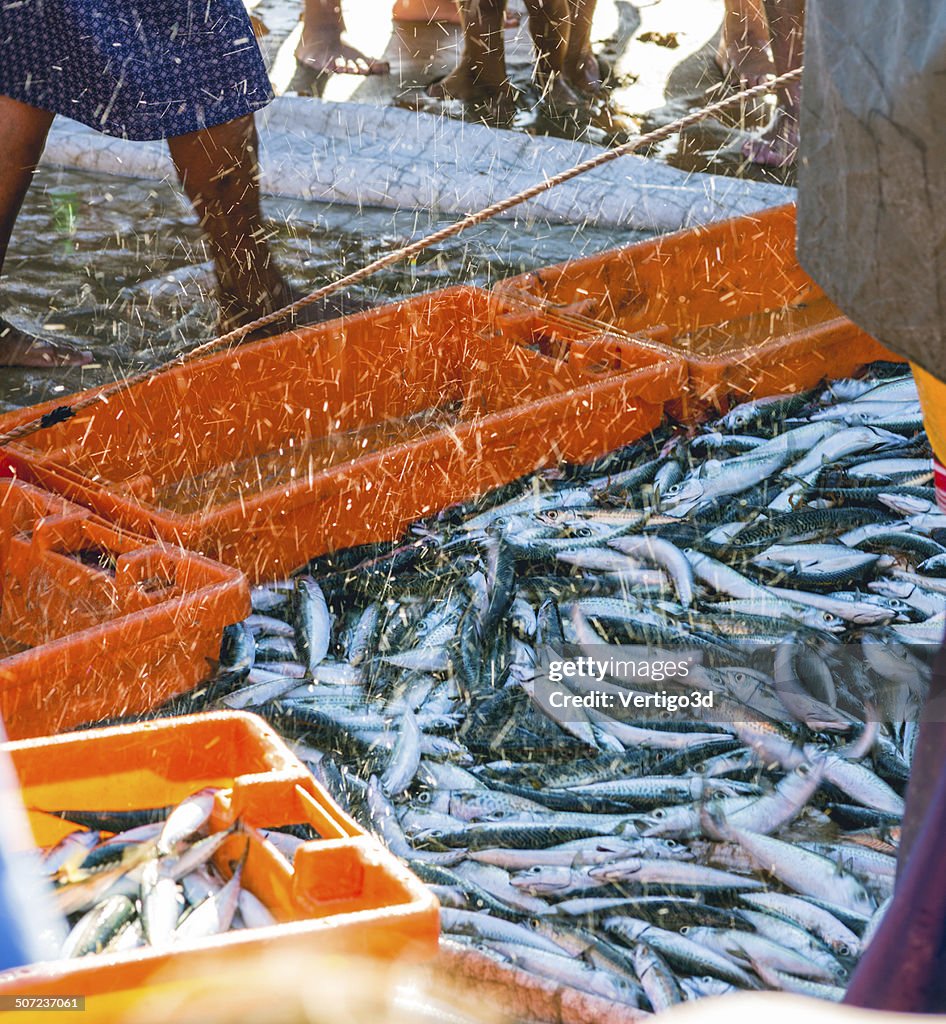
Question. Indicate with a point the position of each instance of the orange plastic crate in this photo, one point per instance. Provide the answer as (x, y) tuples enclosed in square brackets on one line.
[(345, 433), (730, 298), (343, 893), (95, 623)]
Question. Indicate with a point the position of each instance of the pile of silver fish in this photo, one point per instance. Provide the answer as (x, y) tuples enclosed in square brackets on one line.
[(127, 879), (654, 860)]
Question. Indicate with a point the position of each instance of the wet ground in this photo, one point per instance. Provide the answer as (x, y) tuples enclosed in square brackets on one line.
[(661, 54), (117, 265), (113, 263)]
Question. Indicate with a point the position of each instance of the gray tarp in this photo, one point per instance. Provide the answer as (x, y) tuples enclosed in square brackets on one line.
[(872, 175), (361, 154)]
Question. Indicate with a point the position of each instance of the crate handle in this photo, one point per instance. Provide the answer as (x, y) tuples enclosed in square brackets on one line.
[(321, 820), (136, 567), (60, 533)]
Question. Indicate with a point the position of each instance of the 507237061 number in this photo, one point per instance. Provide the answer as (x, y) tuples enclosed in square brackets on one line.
[(26, 1002)]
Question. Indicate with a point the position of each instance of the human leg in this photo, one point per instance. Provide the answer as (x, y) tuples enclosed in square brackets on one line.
[(481, 73), (581, 65), (744, 43), (23, 131), (549, 26), (777, 146), (445, 11), (426, 11), (321, 48), (219, 171)]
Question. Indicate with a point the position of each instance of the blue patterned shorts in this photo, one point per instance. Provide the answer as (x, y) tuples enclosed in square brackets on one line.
[(139, 69)]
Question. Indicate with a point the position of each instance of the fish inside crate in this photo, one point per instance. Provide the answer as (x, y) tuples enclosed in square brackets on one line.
[(192, 842)]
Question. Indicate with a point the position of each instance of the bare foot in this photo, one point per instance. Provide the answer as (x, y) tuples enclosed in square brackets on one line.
[(584, 74), (491, 104), (460, 84), (777, 145), (20, 349), (330, 308), (558, 97), (743, 53), (428, 11), (234, 312), (323, 52)]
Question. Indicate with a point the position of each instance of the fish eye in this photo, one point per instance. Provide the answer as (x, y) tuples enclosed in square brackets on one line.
[(423, 798), (536, 869), (844, 949), (672, 843), (659, 813), (804, 769), (684, 929), (673, 490), (707, 979)]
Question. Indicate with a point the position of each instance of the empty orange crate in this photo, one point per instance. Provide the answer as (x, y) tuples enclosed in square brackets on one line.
[(730, 298), (344, 892), (270, 454), (95, 623)]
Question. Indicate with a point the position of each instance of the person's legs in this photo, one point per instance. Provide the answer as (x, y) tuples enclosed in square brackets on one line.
[(321, 48), (549, 26), (426, 12), (744, 42), (581, 65), (23, 131), (777, 146), (481, 73), (219, 171)]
